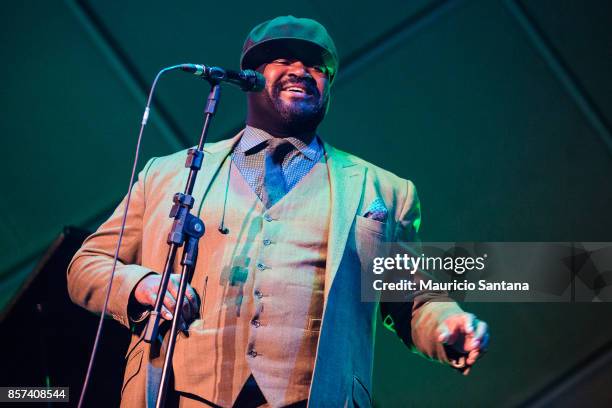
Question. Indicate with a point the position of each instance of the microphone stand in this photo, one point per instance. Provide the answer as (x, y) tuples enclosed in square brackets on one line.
[(186, 229)]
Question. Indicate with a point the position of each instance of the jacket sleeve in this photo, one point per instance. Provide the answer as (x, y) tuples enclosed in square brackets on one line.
[(416, 321), (90, 270)]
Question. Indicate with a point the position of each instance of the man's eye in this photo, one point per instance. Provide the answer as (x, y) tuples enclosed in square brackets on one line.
[(320, 68)]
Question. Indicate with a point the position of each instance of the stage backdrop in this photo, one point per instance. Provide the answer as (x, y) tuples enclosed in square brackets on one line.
[(499, 111)]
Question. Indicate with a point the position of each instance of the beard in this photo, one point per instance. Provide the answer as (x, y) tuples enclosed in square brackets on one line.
[(298, 114), (270, 111)]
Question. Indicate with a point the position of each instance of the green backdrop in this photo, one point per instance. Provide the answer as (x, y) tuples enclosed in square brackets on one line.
[(499, 111)]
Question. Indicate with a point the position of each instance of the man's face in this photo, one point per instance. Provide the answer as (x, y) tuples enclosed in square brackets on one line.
[(296, 91)]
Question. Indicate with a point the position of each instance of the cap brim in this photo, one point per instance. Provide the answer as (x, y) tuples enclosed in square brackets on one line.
[(268, 50)]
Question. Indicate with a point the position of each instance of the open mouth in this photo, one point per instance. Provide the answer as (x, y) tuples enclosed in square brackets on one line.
[(296, 89)]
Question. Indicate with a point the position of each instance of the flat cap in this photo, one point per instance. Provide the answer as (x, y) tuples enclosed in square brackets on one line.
[(303, 37)]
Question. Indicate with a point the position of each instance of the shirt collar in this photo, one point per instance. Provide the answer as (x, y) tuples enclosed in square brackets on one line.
[(254, 137)]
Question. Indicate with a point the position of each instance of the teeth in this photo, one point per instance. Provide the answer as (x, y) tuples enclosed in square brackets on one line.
[(293, 89)]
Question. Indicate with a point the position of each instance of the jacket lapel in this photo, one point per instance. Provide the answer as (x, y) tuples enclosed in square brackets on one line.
[(214, 155), (346, 182)]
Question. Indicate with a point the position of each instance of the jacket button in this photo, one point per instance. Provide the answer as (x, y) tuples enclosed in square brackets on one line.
[(258, 294), (261, 266), (252, 353), (267, 242), (267, 217), (255, 322)]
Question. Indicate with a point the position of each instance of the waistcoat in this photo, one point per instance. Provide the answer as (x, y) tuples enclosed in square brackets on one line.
[(261, 288)]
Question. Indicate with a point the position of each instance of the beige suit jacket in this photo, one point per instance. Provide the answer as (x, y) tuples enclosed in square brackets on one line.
[(354, 185)]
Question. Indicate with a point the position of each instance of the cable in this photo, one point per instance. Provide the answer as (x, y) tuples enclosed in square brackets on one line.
[(143, 123), (222, 228)]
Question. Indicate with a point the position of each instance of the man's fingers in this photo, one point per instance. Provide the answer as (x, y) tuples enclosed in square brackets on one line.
[(190, 302), (148, 297), (145, 292), (151, 298), (455, 327), (443, 333), (468, 325), (484, 343), (188, 311), (173, 284), (458, 363), (169, 302), (472, 339), (166, 314), (186, 308), (170, 306), (479, 333), (193, 299), (450, 329), (472, 357)]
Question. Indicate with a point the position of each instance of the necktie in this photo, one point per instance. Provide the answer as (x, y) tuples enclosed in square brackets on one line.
[(275, 186)]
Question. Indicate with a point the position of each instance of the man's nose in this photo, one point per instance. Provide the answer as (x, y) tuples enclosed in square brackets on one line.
[(298, 69)]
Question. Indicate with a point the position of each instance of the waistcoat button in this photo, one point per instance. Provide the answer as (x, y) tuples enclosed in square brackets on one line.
[(261, 266), (267, 217), (267, 242)]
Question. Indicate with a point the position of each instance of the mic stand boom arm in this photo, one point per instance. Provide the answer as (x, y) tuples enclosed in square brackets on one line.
[(186, 229)]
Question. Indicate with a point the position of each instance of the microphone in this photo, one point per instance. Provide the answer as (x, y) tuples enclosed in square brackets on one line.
[(248, 80)]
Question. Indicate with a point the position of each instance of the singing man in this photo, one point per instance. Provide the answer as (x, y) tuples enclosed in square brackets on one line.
[(273, 312)]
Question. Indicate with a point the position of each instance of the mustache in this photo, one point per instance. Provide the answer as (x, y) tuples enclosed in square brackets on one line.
[(308, 83)]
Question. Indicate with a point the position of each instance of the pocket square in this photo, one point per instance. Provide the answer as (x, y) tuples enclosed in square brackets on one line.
[(377, 210)]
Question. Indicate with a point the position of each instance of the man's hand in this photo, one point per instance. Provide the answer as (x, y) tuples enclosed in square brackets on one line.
[(145, 293), (465, 339)]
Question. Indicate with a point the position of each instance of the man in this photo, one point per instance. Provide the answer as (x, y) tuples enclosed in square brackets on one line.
[(273, 311)]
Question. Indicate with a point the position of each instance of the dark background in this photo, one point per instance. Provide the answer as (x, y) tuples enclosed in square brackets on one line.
[(499, 111)]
